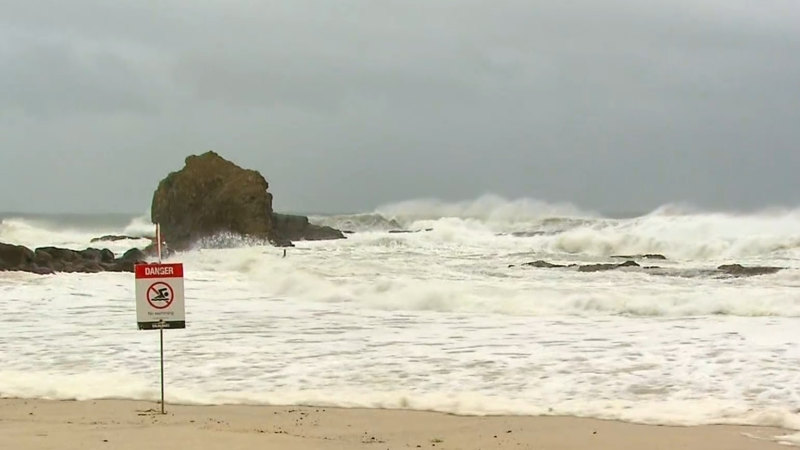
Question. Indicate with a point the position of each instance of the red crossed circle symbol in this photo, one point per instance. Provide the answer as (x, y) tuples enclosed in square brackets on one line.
[(160, 295)]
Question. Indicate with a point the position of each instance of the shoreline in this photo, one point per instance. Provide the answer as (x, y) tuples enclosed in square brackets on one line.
[(27, 424)]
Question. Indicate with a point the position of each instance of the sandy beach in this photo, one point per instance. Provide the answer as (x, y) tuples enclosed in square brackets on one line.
[(114, 424)]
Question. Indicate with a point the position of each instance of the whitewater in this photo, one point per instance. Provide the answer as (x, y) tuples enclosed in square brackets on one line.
[(442, 316)]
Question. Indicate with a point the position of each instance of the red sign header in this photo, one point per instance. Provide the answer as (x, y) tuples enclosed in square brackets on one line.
[(155, 270)]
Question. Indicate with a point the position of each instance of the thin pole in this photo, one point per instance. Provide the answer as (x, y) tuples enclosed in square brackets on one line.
[(158, 240), (161, 330), (161, 333)]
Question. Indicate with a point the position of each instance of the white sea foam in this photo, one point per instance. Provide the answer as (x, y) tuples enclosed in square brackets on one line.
[(140, 226), (357, 222), (34, 233), (31, 233), (436, 320), (492, 209), (700, 237), (678, 231), (244, 346)]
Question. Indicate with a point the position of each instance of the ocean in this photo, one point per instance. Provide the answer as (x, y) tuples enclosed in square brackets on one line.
[(443, 317)]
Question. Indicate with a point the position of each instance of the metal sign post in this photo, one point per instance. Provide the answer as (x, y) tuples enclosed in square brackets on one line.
[(161, 328), (159, 300), (161, 335)]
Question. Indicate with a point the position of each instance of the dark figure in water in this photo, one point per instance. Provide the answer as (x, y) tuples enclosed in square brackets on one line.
[(284, 253)]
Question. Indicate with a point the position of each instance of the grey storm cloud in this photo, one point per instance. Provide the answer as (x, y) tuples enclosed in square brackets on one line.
[(618, 105)]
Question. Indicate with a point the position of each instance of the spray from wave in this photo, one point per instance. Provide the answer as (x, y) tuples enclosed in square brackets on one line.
[(500, 226), (140, 226), (76, 232), (678, 231), (491, 209)]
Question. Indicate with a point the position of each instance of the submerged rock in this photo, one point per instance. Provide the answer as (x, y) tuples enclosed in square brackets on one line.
[(542, 264), (739, 270), (401, 231), (581, 268), (736, 270), (645, 256), (528, 233), (118, 237), (603, 267)]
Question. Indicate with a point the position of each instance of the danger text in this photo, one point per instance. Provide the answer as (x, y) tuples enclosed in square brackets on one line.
[(160, 271)]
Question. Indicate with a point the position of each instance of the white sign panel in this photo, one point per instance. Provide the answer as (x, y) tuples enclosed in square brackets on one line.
[(159, 296)]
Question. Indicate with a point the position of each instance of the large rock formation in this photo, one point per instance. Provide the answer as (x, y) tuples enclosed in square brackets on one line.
[(46, 260), (212, 196)]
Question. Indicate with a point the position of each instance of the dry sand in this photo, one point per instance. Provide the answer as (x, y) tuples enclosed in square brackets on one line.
[(112, 424)]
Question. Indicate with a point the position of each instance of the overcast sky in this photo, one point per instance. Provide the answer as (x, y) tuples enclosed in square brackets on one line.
[(612, 105)]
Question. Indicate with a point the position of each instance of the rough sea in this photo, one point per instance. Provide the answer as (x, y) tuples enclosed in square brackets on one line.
[(434, 318)]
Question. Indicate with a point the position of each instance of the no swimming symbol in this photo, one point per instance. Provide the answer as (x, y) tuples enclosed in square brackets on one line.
[(160, 295)]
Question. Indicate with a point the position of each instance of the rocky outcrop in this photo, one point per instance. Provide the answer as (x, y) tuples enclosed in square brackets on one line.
[(12, 256), (287, 227), (212, 196), (542, 264), (645, 256), (739, 270), (735, 270), (604, 267), (409, 231), (46, 260)]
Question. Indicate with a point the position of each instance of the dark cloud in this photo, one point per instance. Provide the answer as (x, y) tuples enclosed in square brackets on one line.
[(620, 105)]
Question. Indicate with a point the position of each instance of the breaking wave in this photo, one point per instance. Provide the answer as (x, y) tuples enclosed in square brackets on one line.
[(75, 232), (490, 209), (357, 222), (680, 232), (491, 223)]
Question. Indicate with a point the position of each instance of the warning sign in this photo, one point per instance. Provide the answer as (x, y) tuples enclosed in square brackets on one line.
[(159, 296)]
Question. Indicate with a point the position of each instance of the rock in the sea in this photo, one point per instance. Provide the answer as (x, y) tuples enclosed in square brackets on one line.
[(13, 256), (597, 267), (645, 256), (581, 268), (128, 260), (739, 270), (101, 256), (58, 259), (297, 228), (400, 231), (45, 260), (542, 264), (736, 270), (528, 233), (212, 196), (118, 237), (602, 267)]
